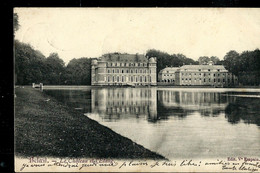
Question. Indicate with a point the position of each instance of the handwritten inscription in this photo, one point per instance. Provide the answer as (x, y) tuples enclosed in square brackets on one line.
[(234, 164)]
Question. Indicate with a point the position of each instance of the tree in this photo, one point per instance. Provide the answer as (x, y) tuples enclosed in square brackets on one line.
[(16, 22), (164, 59), (231, 62), (78, 72), (214, 59), (28, 64), (203, 60), (54, 68)]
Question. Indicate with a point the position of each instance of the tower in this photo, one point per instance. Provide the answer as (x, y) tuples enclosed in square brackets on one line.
[(101, 72), (93, 71), (152, 70)]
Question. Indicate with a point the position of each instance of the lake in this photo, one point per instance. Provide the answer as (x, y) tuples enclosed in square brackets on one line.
[(180, 123)]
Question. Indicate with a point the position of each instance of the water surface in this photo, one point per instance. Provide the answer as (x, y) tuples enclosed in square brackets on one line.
[(176, 123)]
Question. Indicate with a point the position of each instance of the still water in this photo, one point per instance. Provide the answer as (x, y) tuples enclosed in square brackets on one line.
[(176, 123)]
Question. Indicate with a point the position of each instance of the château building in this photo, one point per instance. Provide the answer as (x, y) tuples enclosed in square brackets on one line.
[(123, 69), (210, 75), (167, 75)]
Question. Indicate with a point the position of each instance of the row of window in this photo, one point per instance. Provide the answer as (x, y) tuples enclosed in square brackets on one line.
[(115, 64), (204, 74), (200, 69), (168, 75), (205, 80), (128, 71), (130, 79)]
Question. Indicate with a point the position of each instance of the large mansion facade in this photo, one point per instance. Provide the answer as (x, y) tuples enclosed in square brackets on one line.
[(123, 69), (209, 75)]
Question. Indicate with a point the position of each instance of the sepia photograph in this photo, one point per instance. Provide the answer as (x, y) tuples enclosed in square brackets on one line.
[(136, 89)]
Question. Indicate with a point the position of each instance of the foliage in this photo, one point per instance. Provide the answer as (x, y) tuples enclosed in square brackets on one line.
[(164, 59), (246, 66), (31, 66), (15, 22), (205, 60), (78, 72)]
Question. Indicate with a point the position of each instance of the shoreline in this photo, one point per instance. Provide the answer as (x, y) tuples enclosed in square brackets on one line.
[(158, 86), (45, 127)]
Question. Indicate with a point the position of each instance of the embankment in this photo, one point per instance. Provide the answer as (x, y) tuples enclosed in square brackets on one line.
[(46, 127)]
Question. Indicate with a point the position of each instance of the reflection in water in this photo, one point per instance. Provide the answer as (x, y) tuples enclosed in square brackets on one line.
[(175, 123), (246, 109), (116, 103)]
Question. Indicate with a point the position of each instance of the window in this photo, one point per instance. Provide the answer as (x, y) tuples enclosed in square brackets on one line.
[(127, 71), (122, 71), (209, 80), (136, 71), (108, 79), (122, 78), (204, 80), (214, 80), (138, 64), (117, 78), (208, 69), (218, 80), (144, 71), (199, 69), (108, 71), (117, 71), (113, 71), (140, 71), (214, 75), (116, 64), (223, 80), (140, 78)]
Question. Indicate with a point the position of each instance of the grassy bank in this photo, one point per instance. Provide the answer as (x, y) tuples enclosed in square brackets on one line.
[(46, 127)]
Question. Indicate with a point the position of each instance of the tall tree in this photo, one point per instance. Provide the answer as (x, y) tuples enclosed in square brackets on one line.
[(231, 61), (16, 22), (54, 69), (214, 59), (78, 72), (203, 60), (28, 64)]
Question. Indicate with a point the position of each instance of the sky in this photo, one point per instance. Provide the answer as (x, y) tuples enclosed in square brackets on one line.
[(91, 32)]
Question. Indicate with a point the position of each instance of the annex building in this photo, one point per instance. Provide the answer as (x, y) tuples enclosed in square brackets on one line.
[(167, 75), (123, 69), (210, 75)]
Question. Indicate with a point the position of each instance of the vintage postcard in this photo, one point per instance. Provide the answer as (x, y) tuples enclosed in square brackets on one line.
[(137, 89)]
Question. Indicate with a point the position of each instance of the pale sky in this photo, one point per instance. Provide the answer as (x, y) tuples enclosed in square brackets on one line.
[(91, 32)]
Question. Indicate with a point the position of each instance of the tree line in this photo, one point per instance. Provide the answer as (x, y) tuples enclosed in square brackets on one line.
[(31, 66)]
